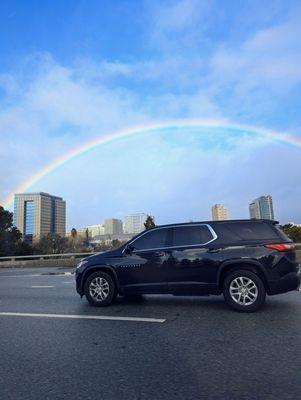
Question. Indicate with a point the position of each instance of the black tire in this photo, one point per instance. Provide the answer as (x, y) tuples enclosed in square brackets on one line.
[(102, 282), (236, 290)]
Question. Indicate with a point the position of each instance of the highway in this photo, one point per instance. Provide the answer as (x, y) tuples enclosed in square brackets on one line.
[(55, 346)]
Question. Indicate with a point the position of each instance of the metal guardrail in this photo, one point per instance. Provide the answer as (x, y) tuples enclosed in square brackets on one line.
[(45, 256)]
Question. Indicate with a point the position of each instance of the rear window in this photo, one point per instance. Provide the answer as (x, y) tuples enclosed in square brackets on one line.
[(234, 231), (191, 235)]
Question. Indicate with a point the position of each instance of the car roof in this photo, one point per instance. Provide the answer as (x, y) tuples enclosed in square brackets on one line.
[(270, 221)]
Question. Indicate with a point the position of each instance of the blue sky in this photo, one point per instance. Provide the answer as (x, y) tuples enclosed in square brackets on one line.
[(72, 70)]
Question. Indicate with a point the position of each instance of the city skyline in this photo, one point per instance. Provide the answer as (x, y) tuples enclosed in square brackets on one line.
[(261, 207)]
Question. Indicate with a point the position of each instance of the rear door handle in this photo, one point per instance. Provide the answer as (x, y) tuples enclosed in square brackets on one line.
[(214, 250)]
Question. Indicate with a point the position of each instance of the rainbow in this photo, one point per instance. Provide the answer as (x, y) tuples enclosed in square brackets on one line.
[(143, 129)]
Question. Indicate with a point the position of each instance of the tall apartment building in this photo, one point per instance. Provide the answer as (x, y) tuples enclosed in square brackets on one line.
[(262, 207), (219, 212), (113, 226), (37, 214), (134, 223)]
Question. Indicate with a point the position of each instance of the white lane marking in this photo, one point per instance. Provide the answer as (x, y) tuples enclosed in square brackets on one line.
[(72, 316), (42, 286)]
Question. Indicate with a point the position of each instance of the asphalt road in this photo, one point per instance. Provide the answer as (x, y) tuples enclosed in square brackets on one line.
[(202, 350)]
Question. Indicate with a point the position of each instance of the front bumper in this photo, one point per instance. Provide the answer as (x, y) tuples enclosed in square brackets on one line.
[(78, 279), (287, 283)]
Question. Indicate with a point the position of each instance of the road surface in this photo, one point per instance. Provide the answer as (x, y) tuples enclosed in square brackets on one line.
[(55, 346)]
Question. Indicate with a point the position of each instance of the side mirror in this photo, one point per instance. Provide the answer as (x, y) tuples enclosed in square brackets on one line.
[(129, 249)]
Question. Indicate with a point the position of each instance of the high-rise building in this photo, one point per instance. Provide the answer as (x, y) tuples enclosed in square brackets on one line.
[(37, 214), (113, 226), (262, 208), (219, 212), (134, 223)]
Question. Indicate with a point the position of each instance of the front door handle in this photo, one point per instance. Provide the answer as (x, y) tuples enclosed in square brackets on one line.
[(159, 254)]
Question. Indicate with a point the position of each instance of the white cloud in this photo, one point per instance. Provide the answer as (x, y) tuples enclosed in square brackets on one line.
[(270, 59), (176, 26)]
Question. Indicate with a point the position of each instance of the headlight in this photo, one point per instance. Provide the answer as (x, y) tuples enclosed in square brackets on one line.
[(81, 264)]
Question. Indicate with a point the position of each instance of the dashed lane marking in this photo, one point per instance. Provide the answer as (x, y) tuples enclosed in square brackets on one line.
[(90, 317), (42, 286)]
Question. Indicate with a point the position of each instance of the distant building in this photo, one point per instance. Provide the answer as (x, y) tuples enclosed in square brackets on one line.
[(262, 208), (134, 223), (37, 214), (96, 230), (219, 212), (113, 226)]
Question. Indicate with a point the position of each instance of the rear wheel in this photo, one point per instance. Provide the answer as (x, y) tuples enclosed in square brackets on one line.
[(244, 291), (100, 289)]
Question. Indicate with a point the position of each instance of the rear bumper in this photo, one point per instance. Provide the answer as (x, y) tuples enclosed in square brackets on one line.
[(287, 283)]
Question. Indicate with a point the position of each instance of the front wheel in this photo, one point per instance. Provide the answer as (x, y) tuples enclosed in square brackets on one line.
[(100, 289), (244, 291)]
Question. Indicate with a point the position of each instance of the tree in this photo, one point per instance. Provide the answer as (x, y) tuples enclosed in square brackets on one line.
[(150, 222), (73, 233), (292, 231), (51, 244), (11, 243), (116, 243)]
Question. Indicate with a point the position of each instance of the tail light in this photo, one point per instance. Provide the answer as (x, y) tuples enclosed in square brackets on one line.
[(281, 246)]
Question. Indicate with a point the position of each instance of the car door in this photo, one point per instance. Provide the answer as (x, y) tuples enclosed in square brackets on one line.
[(190, 266), (144, 267)]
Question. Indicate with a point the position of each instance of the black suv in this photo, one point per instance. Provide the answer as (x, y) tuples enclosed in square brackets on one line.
[(243, 259)]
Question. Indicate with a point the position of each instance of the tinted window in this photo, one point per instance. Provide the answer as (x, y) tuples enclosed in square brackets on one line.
[(151, 240), (233, 231), (191, 235)]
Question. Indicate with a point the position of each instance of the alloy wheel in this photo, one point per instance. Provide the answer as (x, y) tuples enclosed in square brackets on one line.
[(243, 291), (99, 289)]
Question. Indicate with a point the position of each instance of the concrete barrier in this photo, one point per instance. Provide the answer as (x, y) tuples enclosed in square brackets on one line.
[(52, 263)]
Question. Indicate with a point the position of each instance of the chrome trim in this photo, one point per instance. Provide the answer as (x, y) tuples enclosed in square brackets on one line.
[(212, 231)]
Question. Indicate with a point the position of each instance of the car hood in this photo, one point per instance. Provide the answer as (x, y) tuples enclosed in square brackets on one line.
[(105, 255)]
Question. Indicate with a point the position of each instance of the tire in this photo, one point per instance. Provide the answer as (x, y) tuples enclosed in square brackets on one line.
[(100, 289), (244, 291)]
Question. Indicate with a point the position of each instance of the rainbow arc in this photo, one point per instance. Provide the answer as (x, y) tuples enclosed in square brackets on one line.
[(140, 130)]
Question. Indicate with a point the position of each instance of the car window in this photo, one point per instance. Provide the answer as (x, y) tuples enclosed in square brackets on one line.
[(248, 231), (151, 240), (191, 235)]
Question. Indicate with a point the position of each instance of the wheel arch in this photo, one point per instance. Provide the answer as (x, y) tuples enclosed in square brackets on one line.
[(250, 265)]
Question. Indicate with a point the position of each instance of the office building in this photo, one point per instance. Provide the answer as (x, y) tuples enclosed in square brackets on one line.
[(113, 226), (37, 214), (262, 208), (134, 223), (219, 212), (96, 230)]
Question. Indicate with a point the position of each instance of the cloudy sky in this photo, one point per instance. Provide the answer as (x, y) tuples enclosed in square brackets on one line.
[(71, 71)]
